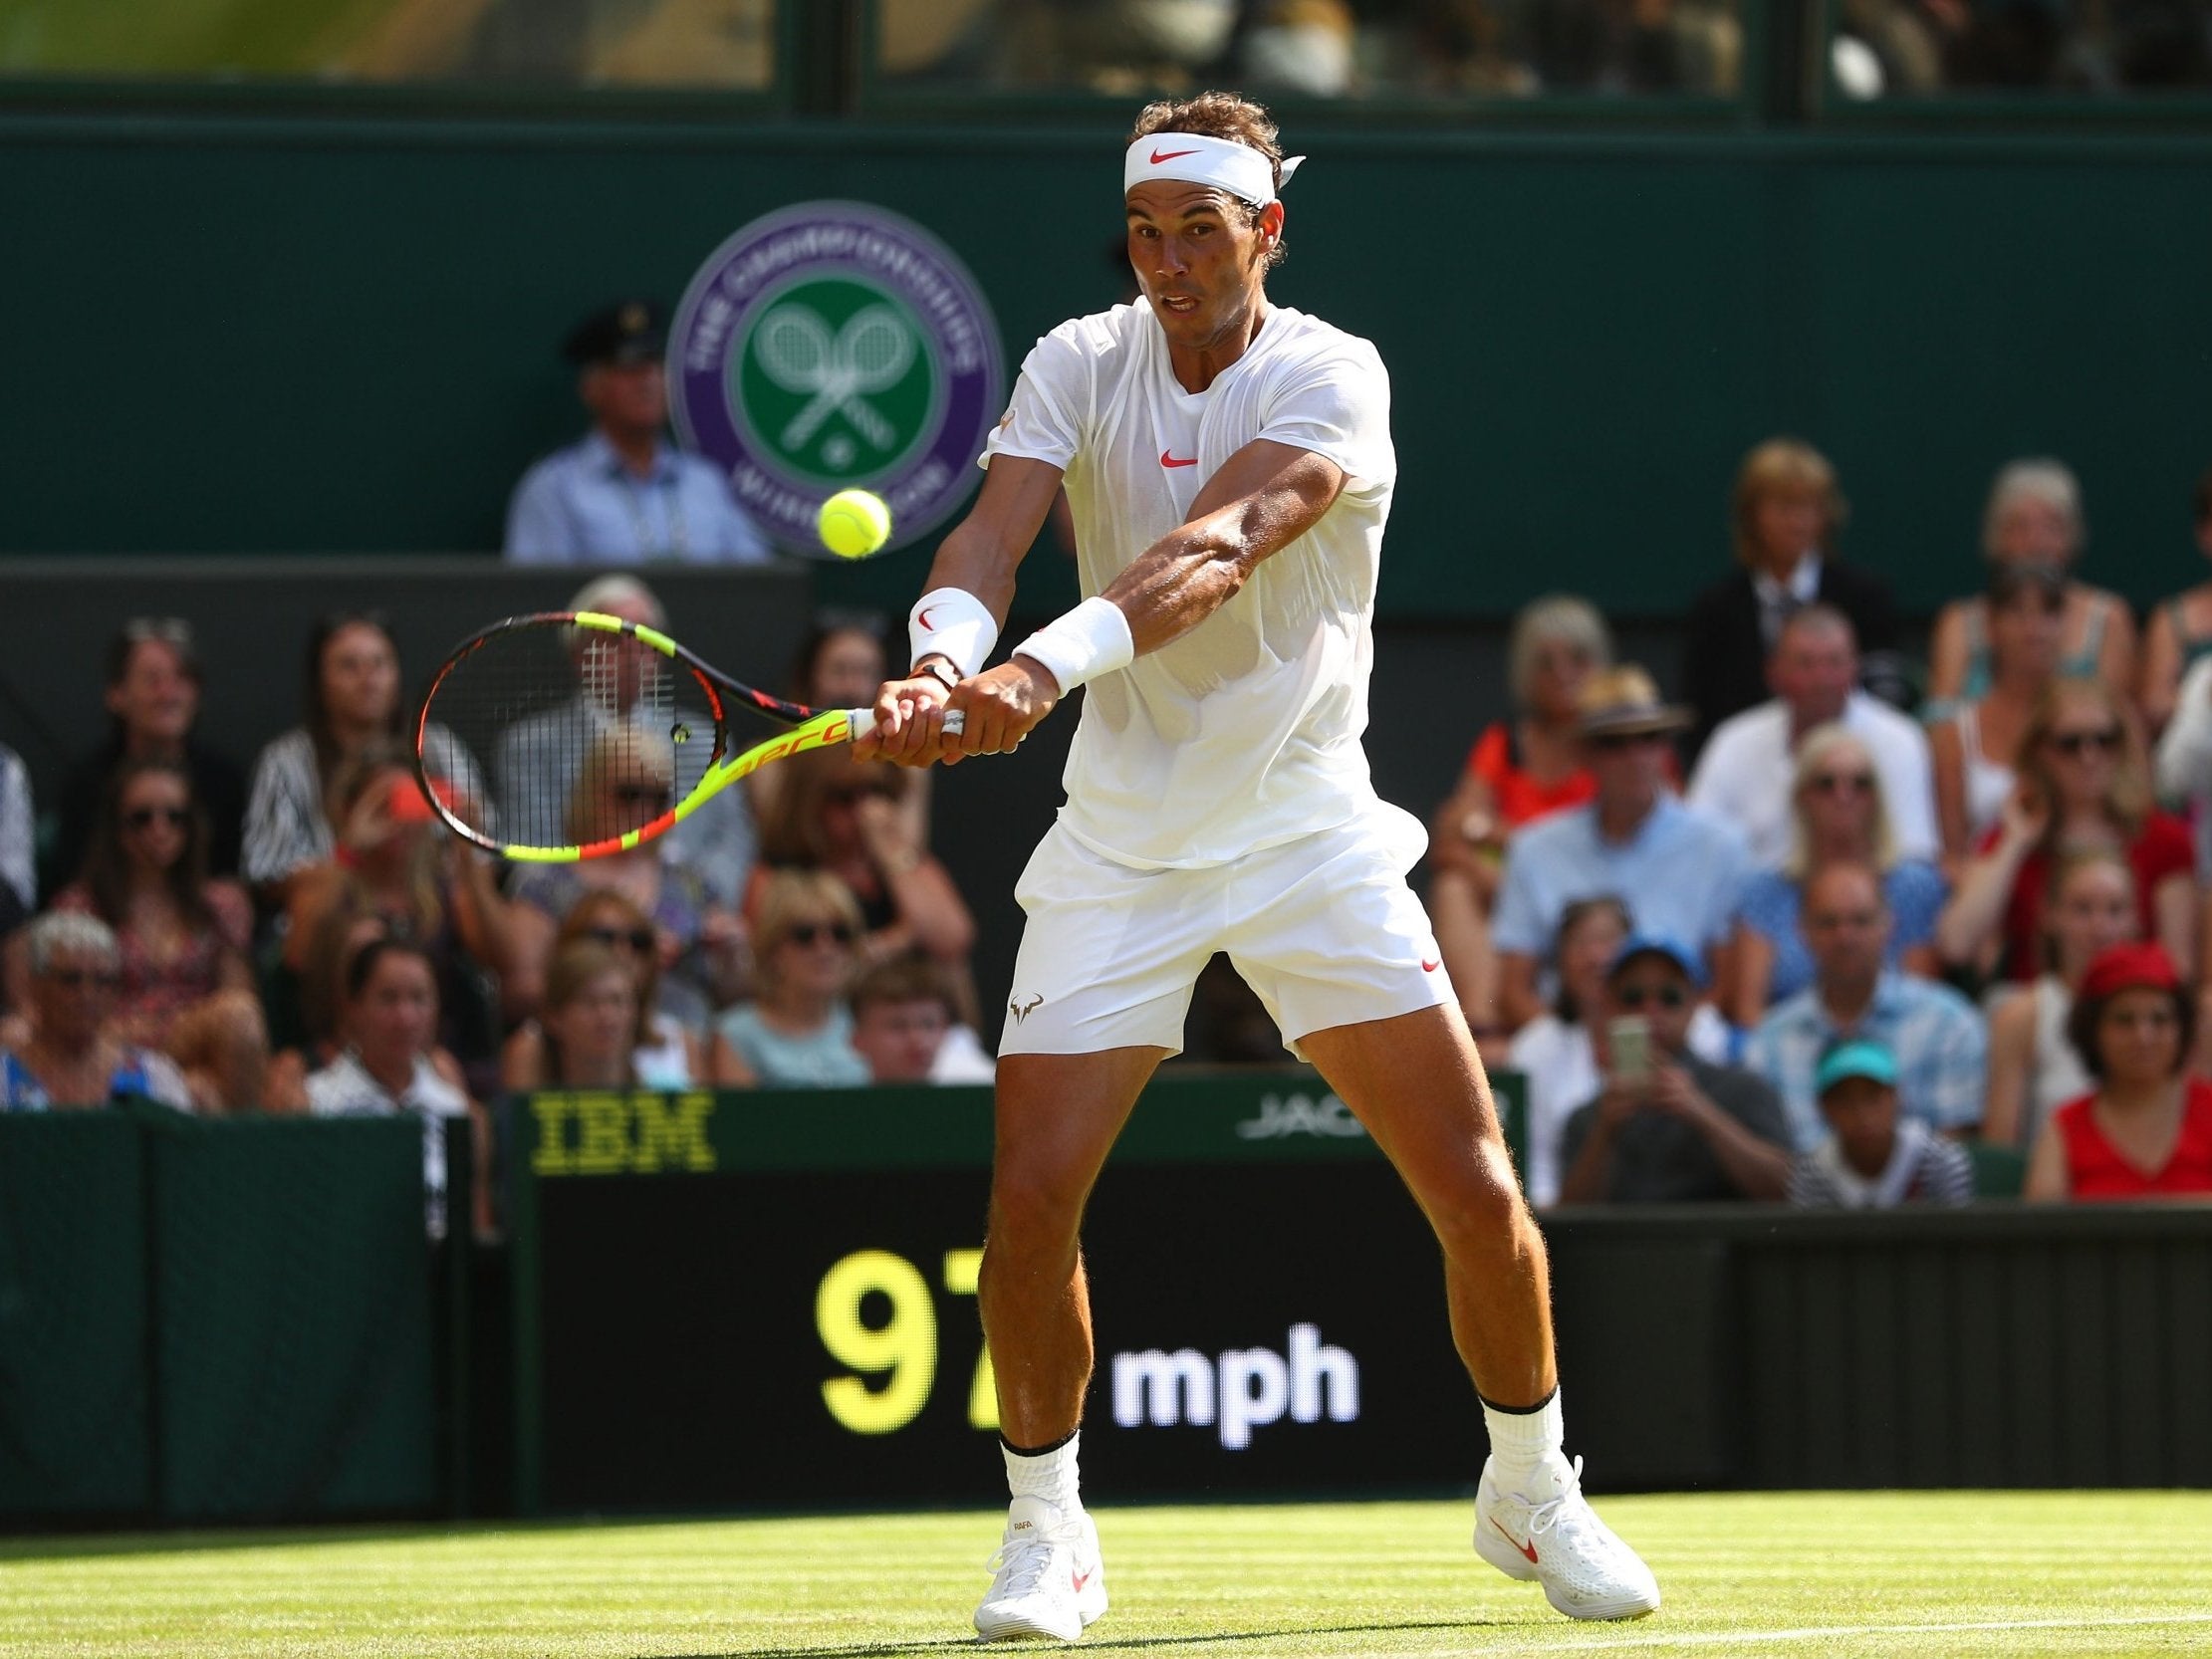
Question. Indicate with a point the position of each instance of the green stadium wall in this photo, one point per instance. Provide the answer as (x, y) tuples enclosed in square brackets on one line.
[(253, 334)]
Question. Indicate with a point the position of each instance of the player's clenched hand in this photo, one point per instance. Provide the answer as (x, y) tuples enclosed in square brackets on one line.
[(909, 723), (1000, 706)]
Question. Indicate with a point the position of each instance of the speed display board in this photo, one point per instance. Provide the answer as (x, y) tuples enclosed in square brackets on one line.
[(744, 1298)]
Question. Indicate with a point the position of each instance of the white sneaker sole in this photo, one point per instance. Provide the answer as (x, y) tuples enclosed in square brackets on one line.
[(1012, 1626)]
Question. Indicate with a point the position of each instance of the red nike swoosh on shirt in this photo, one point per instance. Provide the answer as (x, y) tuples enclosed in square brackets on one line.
[(1428, 967), (1168, 460), (1159, 155), (1527, 1550), (924, 619)]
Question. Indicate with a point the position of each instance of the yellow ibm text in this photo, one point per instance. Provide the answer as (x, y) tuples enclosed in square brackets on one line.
[(610, 1133), (901, 1350)]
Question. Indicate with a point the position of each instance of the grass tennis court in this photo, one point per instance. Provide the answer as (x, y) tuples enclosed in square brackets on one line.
[(1952, 1573)]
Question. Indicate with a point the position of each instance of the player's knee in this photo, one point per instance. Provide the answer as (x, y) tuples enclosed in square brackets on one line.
[(1033, 1209), (1487, 1214)]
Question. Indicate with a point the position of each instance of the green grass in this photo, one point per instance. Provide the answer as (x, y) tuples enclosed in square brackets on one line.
[(1950, 1574)]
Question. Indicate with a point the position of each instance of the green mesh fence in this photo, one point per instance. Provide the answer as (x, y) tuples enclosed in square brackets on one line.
[(293, 1335), (74, 1429)]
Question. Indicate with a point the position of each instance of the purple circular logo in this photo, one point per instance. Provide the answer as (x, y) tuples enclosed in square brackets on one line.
[(837, 345)]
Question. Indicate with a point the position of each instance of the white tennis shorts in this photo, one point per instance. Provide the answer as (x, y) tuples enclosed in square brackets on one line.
[(1323, 929)]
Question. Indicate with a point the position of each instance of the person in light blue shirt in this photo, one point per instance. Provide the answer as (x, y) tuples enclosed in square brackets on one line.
[(1680, 873), (1936, 1037), (624, 495)]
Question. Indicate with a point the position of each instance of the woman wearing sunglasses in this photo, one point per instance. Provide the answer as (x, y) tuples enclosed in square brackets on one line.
[(2084, 786), (1841, 817), (181, 938), (626, 781), (664, 1053), (798, 1033)]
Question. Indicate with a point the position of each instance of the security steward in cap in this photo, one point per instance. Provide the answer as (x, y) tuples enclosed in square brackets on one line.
[(624, 495)]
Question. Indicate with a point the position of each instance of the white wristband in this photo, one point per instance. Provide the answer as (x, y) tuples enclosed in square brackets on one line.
[(953, 622), (1091, 639)]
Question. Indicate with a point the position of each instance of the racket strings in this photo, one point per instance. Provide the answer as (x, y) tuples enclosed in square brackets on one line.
[(591, 735)]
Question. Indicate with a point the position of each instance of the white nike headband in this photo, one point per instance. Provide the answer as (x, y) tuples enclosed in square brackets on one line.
[(1193, 158)]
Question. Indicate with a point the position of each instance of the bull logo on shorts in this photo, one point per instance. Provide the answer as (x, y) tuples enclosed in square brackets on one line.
[(1023, 1010)]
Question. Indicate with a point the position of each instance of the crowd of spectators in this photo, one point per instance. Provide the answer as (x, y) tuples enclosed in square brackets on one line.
[(1885, 934), (304, 935), (1810, 934)]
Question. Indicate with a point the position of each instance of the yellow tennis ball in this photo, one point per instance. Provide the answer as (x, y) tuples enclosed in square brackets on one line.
[(853, 522)]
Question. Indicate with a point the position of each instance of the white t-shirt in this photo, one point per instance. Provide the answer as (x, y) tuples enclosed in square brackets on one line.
[(1745, 772), (1245, 732), (344, 1088)]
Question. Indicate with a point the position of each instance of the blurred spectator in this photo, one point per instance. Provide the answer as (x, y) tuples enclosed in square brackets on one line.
[(666, 1054), (586, 1031), (798, 1033), (1557, 1052), (848, 818), (538, 761), (390, 1066), (1871, 1158), (2034, 517), (1684, 872), (1784, 518), (1668, 1126), (840, 665), (18, 879), (431, 888), (352, 704), (1304, 48), (182, 937), (1520, 768), (70, 1056), (1636, 46), (2083, 784), (2147, 1132), (2033, 1065), (908, 1028), (627, 780), (624, 495), (154, 700), (306, 1000), (2179, 635), (1976, 748), (1745, 770), (1837, 798), (1935, 1034)]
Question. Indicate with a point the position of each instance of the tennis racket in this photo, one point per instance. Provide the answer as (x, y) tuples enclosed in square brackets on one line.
[(603, 735)]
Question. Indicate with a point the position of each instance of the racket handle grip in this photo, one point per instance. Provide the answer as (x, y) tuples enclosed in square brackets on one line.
[(864, 721)]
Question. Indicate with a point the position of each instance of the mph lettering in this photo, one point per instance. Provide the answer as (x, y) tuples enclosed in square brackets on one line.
[(1245, 1389)]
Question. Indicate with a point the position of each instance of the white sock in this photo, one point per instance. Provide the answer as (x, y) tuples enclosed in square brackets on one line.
[(1525, 1450), (1050, 1474)]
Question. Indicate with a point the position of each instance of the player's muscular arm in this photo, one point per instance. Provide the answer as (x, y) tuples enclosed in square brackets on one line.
[(1263, 499), (980, 557)]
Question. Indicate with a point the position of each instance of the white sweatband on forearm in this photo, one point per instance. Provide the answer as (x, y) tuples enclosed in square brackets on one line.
[(1091, 639), (953, 622)]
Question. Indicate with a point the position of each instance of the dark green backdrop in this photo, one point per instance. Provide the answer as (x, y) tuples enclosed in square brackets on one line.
[(257, 333)]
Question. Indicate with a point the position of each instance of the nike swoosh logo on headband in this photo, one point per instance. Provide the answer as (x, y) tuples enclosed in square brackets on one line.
[(1159, 155)]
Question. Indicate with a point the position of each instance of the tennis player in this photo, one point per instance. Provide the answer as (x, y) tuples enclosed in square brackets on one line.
[(1229, 466)]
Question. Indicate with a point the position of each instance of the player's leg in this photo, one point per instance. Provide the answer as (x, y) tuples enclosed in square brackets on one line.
[(1058, 1116), (1345, 960), (1101, 989), (1414, 1081)]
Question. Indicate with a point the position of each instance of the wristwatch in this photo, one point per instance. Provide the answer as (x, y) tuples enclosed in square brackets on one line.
[(939, 670)]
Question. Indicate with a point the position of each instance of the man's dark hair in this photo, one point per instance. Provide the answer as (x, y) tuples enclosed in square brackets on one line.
[(1227, 115)]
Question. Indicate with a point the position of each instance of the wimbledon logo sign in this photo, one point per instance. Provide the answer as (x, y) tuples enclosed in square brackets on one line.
[(833, 345)]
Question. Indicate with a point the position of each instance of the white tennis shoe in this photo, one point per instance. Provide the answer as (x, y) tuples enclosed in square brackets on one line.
[(1050, 1581), (1557, 1539)]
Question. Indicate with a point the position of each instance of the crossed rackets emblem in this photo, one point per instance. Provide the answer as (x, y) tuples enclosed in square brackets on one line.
[(839, 372)]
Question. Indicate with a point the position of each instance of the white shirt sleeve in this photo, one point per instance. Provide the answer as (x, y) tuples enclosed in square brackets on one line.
[(1045, 420), (1338, 406), (2185, 751)]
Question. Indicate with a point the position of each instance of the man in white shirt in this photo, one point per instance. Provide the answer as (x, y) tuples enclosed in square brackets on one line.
[(1228, 466), (1746, 770)]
